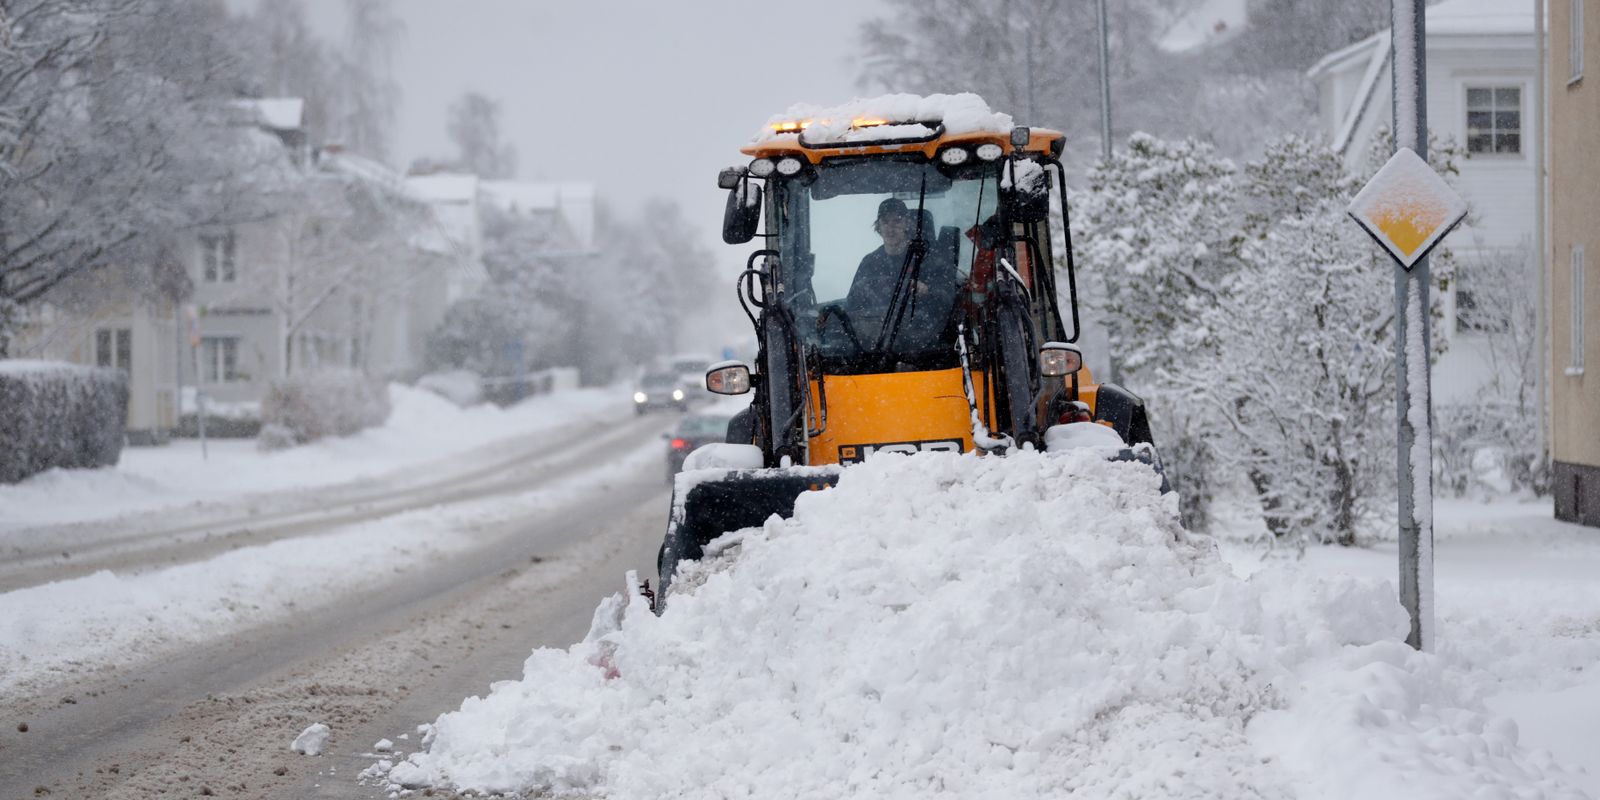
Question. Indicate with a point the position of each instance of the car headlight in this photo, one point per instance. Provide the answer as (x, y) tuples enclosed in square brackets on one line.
[(640, 397), (677, 394)]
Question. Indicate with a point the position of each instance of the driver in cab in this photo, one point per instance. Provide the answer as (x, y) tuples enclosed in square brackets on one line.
[(875, 278)]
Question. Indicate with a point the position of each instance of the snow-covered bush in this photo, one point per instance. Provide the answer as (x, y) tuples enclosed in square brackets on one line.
[(459, 386), (1490, 443), (1486, 446), (59, 415), (314, 405)]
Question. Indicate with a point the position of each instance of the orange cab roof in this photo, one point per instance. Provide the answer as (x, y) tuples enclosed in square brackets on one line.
[(1040, 140)]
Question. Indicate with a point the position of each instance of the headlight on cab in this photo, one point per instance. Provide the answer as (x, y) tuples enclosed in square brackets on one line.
[(640, 397)]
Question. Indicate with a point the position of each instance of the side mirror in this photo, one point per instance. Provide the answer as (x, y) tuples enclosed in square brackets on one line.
[(730, 177), (1057, 359), (742, 215), (728, 377), (1025, 189)]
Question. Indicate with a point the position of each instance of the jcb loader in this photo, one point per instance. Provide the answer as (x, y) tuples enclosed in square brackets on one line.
[(905, 299)]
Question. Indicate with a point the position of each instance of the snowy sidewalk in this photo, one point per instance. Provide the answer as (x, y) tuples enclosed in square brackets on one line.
[(1518, 600), (422, 430)]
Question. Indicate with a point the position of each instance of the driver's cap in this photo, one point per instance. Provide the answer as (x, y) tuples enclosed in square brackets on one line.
[(893, 207)]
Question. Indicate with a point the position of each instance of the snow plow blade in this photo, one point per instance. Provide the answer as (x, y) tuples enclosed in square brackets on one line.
[(1145, 454), (703, 510)]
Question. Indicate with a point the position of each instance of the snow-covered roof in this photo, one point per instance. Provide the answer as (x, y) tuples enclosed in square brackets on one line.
[(444, 187), (453, 197), (1450, 18), (276, 113), (1209, 22), (361, 168), (573, 202), (960, 113)]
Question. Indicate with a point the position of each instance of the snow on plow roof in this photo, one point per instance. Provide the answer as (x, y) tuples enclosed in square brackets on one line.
[(960, 113), (1030, 626)]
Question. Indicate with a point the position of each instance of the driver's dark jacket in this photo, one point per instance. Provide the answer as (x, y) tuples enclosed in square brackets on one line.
[(873, 287)]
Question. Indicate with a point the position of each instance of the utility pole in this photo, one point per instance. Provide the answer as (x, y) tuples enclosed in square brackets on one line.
[(1113, 369), (1413, 338), (1105, 85)]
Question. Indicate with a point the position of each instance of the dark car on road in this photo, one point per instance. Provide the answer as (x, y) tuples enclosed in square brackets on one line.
[(659, 390), (693, 431)]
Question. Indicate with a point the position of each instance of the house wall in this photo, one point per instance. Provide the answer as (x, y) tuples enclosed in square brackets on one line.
[(1575, 221), (243, 308), (1501, 189)]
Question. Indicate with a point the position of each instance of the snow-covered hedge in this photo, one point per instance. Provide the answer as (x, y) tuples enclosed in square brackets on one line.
[(306, 407), (59, 415)]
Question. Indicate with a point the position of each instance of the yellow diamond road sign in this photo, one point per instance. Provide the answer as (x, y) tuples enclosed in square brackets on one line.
[(1407, 207)]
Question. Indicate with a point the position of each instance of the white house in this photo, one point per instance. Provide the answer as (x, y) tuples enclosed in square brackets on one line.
[(1482, 75)]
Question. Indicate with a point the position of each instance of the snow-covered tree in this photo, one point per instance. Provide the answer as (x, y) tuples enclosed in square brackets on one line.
[(116, 132), (1155, 233), (1034, 59), (1303, 377), (1156, 226), (367, 97), (475, 129)]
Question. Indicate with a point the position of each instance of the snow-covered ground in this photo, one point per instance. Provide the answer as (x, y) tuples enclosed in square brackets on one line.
[(1038, 625), (423, 428)]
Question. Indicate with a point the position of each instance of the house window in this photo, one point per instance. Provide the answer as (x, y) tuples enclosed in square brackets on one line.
[(1576, 368), (1494, 119), (219, 358), (1575, 44), (217, 257), (113, 347)]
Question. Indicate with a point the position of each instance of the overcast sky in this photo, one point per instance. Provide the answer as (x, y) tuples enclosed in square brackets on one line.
[(641, 97)]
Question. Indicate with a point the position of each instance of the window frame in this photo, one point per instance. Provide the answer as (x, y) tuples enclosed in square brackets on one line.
[(219, 257), (214, 360), (113, 348), (1575, 42), (1493, 130), (1575, 324)]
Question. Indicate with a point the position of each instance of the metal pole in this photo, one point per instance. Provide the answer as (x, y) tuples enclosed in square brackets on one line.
[(1105, 85), (200, 397), (1113, 369), (1413, 341)]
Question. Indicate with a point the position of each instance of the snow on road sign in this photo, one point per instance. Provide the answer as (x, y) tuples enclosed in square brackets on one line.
[(1407, 207)]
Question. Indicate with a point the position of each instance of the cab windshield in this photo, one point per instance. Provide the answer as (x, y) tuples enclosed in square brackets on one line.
[(849, 238)]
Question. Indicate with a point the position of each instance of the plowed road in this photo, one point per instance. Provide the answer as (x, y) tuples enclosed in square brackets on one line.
[(217, 719)]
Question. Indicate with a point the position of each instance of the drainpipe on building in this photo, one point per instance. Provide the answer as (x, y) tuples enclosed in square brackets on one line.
[(1545, 260)]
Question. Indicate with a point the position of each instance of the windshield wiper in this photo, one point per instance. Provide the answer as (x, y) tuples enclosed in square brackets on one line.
[(905, 286)]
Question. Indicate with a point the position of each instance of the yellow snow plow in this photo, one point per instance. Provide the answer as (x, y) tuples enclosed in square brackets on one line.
[(905, 298)]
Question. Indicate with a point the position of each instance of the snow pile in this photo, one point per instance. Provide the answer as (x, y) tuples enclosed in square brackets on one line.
[(1033, 626), (311, 740), (960, 113)]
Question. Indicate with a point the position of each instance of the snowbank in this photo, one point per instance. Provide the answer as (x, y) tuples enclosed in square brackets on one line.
[(422, 428), (1031, 626)]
